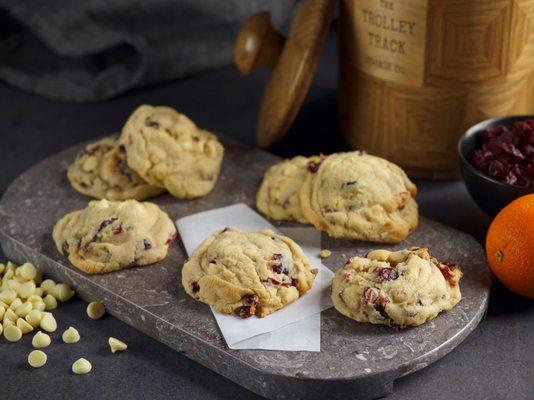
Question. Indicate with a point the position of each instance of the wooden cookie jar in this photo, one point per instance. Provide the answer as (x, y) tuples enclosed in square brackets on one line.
[(414, 74)]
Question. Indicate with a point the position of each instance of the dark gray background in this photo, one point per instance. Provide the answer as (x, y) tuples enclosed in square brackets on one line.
[(495, 362)]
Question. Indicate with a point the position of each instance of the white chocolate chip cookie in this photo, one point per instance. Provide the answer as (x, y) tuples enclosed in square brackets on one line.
[(100, 171), (402, 288), (278, 196), (354, 195), (246, 273), (108, 236), (168, 150)]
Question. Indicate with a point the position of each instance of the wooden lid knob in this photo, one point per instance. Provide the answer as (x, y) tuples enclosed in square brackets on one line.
[(294, 61), (258, 44)]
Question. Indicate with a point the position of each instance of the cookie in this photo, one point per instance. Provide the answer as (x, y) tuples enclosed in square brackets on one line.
[(401, 288), (354, 195), (168, 150), (278, 196), (108, 235), (100, 171), (247, 273)]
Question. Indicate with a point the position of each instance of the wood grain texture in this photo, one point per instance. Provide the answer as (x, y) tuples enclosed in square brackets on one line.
[(478, 64), (293, 67)]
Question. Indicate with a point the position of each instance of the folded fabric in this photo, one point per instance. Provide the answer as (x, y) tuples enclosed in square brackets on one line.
[(94, 49)]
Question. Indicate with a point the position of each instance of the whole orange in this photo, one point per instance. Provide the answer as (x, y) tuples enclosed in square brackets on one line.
[(510, 246)]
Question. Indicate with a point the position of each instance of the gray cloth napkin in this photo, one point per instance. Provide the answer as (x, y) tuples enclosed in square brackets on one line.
[(88, 50)]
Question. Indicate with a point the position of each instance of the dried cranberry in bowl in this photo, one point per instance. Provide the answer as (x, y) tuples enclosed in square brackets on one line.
[(506, 153)]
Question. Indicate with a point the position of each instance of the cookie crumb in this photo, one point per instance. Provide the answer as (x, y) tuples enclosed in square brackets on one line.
[(325, 253)]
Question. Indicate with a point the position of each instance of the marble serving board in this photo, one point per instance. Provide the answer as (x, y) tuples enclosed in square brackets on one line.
[(357, 361)]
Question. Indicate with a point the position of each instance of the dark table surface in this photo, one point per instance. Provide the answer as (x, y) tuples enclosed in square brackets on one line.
[(495, 362)]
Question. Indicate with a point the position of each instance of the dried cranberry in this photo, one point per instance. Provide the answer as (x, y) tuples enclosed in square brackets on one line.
[(292, 282), (369, 296), (244, 312), (122, 149), (147, 244), (277, 266), (196, 139), (106, 223), (313, 166), (396, 326), (151, 123), (250, 300), (387, 274), (344, 185), (277, 256), (274, 281), (507, 153), (381, 310), (195, 287), (249, 308), (65, 248), (117, 230), (446, 269), (171, 239)]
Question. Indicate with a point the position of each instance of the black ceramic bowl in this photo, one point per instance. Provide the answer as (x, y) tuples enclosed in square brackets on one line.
[(490, 194)]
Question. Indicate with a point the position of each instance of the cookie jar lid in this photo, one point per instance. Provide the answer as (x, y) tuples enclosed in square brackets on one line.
[(293, 60)]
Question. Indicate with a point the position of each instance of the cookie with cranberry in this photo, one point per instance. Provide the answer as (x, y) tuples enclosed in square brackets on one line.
[(355, 195), (100, 171), (247, 273), (169, 151), (401, 288), (278, 196), (110, 235)]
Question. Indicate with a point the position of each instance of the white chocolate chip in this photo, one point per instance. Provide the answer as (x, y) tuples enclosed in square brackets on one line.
[(40, 340), (27, 271), (24, 309), (50, 302), (96, 310), (17, 302), (70, 336), (24, 326), (13, 284), (11, 266), (397, 257), (12, 333), (37, 358), (8, 322), (62, 292), (39, 305), (8, 296), (9, 274), (34, 318), (116, 345), (47, 285), (10, 315), (325, 253), (33, 298), (48, 323), (90, 164), (379, 255), (81, 366)]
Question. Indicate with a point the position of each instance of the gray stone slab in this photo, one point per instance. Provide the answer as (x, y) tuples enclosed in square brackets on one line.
[(356, 360)]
